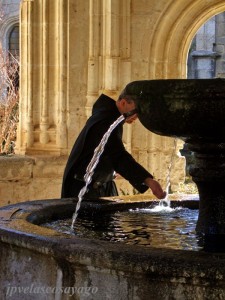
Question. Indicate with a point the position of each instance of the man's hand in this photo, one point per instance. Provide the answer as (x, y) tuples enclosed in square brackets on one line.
[(155, 187)]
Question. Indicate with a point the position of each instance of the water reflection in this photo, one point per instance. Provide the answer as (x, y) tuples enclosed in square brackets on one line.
[(159, 227)]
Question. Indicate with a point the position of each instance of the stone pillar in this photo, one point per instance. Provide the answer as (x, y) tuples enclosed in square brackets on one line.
[(44, 118), (94, 55), (26, 126), (125, 42), (44, 84), (61, 133), (111, 47)]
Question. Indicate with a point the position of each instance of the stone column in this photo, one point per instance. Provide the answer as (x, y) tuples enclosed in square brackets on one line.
[(124, 60), (26, 127), (44, 84), (94, 55), (61, 130), (125, 42), (44, 118), (111, 47)]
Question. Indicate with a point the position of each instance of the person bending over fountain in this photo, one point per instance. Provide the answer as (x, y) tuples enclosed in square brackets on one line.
[(114, 159)]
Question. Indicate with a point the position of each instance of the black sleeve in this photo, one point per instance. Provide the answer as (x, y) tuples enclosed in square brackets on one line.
[(124, 163)]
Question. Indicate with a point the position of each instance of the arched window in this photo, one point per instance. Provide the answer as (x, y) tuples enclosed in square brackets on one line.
[(14, 56), (14, 41)]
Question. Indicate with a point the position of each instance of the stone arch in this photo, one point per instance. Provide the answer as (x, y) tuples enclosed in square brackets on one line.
[(13, 40), (165, 45), (176, 27), (5, 30)]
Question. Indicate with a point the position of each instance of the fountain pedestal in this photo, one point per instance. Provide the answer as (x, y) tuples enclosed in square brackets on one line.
[(208, 173), (194, 111)]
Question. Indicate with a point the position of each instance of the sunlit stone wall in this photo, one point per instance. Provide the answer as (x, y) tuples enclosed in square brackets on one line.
[(72, 51)]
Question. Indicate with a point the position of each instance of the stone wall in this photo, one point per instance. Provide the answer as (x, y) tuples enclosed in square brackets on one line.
[(25, 178)]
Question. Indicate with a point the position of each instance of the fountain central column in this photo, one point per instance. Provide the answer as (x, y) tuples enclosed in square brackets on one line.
[(208, 172)]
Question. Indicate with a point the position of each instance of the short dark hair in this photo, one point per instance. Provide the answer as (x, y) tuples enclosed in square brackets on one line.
[(127, 97)]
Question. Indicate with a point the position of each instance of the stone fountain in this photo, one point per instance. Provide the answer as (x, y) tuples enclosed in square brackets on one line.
[(194, 111), (42, 263)]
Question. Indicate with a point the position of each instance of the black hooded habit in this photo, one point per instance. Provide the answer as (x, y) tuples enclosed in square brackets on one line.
[(114, 158)]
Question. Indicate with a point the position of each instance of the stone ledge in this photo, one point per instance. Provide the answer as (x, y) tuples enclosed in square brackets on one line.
[(30, 177), (17, 167), (14, 167)]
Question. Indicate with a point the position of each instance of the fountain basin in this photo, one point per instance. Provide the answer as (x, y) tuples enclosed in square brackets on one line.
[(191, 109), (33, 256)]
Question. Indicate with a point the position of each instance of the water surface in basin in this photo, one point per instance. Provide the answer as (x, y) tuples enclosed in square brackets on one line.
[(158, 228)]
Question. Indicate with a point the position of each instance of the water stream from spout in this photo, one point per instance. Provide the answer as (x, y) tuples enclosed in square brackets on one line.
[(166, 202), (92, 165)]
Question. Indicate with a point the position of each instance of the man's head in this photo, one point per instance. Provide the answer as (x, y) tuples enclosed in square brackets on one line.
[(126, 103)]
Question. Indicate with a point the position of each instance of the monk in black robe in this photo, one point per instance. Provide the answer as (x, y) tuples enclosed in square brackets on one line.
[(114, 159)]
